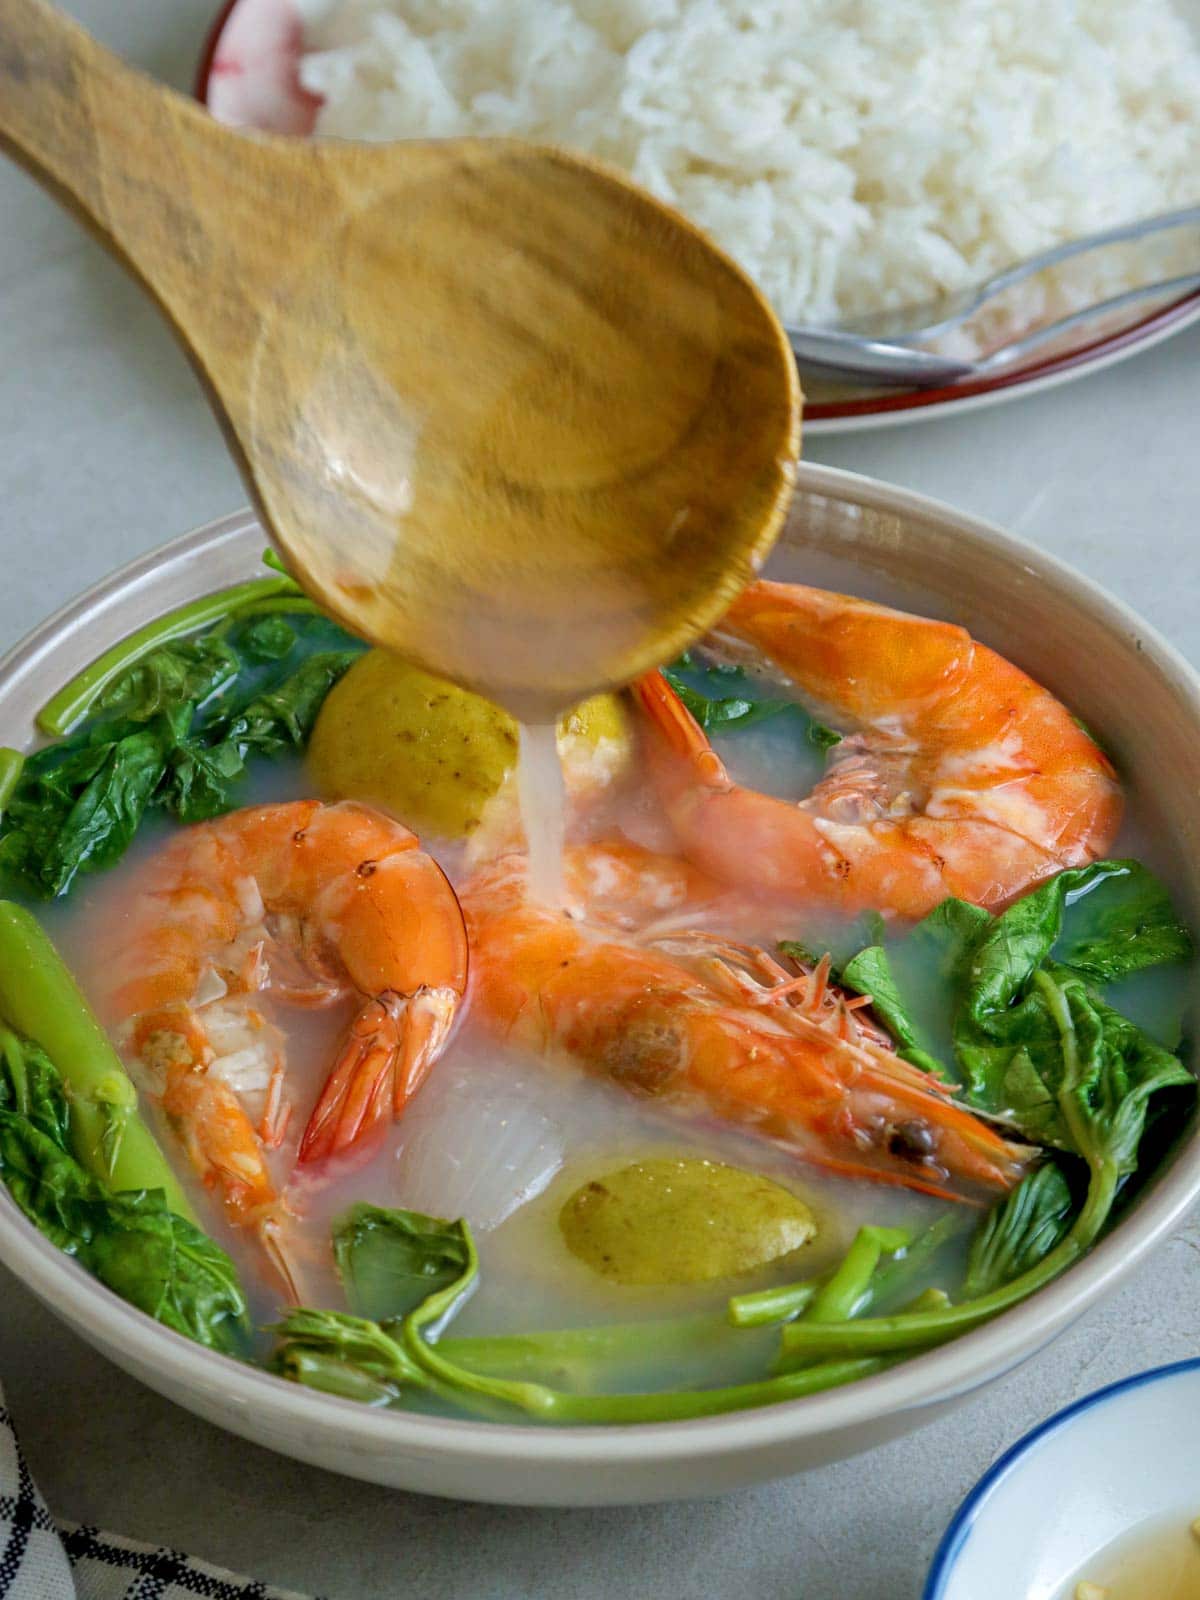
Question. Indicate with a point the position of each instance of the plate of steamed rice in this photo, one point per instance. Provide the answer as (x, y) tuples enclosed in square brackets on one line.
[(854, 158)]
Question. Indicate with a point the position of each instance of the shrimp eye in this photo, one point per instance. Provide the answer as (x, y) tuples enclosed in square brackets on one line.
[(913, 1141), (366, 868), (299, 836)]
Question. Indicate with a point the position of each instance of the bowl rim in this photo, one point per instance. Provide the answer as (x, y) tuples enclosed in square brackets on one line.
[(892, 407), (974, 1503), (939, 1376)]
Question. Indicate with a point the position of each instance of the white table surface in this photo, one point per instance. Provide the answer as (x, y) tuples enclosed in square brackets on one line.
[(106, 449)]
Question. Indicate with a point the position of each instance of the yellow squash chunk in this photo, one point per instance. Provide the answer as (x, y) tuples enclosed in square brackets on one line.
[(678, 1220)]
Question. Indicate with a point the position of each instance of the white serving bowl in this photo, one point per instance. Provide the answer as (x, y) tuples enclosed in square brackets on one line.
[(1126, 1456), (1115, 673)]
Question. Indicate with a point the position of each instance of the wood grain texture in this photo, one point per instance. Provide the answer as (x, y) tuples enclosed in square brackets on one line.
[(501, 410)]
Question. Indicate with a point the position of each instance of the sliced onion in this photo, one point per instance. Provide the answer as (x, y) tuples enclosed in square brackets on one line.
[(476, 1154)]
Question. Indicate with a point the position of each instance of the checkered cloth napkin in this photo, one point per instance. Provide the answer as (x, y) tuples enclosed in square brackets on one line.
[(41, 1559)]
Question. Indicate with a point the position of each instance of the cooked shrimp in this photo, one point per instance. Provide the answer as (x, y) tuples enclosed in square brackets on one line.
[(311, 903), (959, 775), (693, 1021)]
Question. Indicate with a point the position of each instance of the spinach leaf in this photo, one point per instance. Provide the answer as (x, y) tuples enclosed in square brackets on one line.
[(1119, 923), (174, 731), (104, 816), (722, 697), (1016, 1061), (959, 997), (390, 1261), (1019, 1231), (187, 672), (1101, 1082), (910, 982), (131, 1241), (824, 738), (31, 1088), (841, 943), (1108, 1069), (1130, 925), (267, 638), (870, 973), (282, 718), (1008, 1037)]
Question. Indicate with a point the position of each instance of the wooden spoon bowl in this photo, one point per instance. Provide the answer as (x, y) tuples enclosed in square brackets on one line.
[(502, 411)]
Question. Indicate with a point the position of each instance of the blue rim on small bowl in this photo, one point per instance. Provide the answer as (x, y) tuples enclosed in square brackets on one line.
[(956, 1535)]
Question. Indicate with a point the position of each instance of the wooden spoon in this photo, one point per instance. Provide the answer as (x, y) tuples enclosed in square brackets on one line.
[(502, 411)]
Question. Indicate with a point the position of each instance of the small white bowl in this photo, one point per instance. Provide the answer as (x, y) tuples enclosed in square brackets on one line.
[(1124, 1457)]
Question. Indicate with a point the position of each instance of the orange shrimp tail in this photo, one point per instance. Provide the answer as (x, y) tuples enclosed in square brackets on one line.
[(389, 1049)]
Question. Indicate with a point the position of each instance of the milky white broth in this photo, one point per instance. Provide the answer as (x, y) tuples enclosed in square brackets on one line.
[(495, 1126)]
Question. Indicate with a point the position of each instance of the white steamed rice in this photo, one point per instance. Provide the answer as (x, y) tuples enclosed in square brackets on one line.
[(852, 154)]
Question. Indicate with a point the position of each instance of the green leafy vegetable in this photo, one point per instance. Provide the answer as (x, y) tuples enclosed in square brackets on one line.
[(390, 1261), (909, 982), (824, 738), (961, 986), (268, 638), (1118, 922), (1007, 1037), (1019, 1232), (172, 728), (77, 698), (131, 1240), (1130, 925), (1102, 1105), (840, 942), (1015, 1059), (1038, 1045), (722, 697), (870, 972)]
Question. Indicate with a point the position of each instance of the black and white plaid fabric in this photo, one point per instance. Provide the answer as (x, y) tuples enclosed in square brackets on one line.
[(41, 1559)]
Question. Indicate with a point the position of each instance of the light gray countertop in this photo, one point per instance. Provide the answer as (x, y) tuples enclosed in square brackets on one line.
[(106, 449)]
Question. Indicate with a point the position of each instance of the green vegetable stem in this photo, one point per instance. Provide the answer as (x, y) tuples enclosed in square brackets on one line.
[(379, 1361), (845, 1291), (882, 1284), (41, 1000), (73, 702), (11, 764)]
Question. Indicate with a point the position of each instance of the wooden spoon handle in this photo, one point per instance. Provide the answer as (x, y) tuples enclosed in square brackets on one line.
[(200, 213), (92, 129), (49, 72)]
